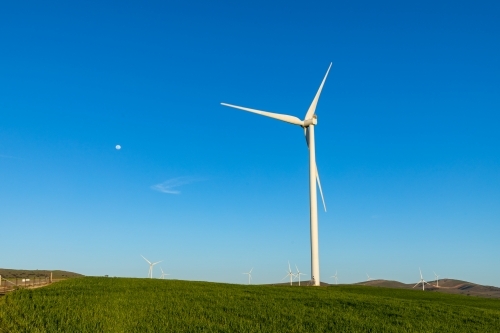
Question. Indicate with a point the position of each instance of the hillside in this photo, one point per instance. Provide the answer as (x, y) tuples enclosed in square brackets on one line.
[(449, 286), (466, 288), (27, 273), (383, 283)]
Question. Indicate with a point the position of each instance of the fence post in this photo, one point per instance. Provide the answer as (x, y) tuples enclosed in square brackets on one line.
[(50, 277)]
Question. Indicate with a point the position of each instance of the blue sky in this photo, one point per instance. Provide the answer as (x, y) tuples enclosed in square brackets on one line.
[(407, 138)]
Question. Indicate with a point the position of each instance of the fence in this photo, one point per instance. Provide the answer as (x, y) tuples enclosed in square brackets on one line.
[(11, 283)]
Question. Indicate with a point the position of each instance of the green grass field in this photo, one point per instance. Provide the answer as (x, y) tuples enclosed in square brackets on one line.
[(141, 305)]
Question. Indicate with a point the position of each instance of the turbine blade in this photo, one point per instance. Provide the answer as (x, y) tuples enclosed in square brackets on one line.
[(416, 285), (317, 172), (320, 190), (251, 270), (312, 107), (146, 259), (283, 117), (157, 262)]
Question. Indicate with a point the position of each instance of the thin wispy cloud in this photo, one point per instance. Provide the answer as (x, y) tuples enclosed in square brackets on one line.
[(171, 186)]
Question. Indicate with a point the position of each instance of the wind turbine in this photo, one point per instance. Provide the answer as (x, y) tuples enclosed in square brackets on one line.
[(150, 273), (298, 274), (422, 281), (335, 277), (369, 278), (289, 274), (163, 274), (310, 120), (249, 275), (437, 279)]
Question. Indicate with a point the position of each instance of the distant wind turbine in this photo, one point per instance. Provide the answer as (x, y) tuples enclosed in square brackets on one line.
[(150, 273), (163, 274), (310, 120), (422, 281), (289, 274), (298, 274), (437, 279), (249, 275), (369, 278), (335, 277)]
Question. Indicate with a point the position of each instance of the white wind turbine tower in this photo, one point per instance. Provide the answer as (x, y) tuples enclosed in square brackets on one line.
[(310, 120), (150, 273), (289, 274), (335, 277), (163, 274), (422, 281), (249, 275), (369, 278), (298, 274), (437, 279)]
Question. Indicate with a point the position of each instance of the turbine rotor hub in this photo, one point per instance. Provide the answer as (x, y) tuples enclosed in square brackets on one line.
[(312, 121)]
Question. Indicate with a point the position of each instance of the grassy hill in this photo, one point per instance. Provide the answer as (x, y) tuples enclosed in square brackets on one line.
[(27, 273), (449, 286), (385, 284), (92, 304)]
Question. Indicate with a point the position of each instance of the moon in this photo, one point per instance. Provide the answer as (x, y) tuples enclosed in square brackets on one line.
[(118, 147)]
